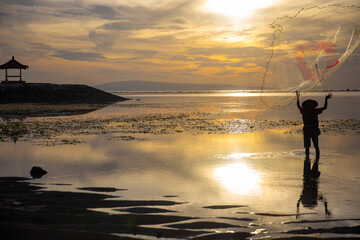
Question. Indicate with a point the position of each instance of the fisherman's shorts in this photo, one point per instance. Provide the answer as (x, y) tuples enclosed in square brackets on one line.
[(311, 133)]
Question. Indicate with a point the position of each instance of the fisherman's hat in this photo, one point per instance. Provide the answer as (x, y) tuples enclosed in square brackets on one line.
[(309, 102)]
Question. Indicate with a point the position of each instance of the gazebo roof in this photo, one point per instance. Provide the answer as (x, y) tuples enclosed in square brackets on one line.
[(13, 64)]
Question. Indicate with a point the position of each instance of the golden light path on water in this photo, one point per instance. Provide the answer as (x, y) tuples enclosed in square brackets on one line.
[(243, 94), (257, 93), (237, 177)]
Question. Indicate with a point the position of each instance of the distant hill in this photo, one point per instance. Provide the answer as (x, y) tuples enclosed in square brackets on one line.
[(125, 86)]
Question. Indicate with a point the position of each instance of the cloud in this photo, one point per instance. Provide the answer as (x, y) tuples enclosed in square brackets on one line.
[(236, 52), (125, 25), (79, 56), (103, 40), (104, 12), (225, 73), (20, 2), (164, 40), (142, 17)]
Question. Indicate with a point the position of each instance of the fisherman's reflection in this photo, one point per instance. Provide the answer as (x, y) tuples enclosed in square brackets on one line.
[(310, 195)]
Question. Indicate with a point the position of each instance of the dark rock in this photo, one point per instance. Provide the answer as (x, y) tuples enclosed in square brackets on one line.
[(37, 172), (54, 93), (101, 189)]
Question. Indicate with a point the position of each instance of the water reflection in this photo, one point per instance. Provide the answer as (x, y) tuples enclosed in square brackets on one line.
[(13, 128), (239, 155), (22, 111), (237, 178), (242, 94), (310, 195)]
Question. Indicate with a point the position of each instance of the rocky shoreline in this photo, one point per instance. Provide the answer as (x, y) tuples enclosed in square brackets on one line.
[(47, 93)]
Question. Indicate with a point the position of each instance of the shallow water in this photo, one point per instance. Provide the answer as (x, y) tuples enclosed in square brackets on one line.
[(255, 164)]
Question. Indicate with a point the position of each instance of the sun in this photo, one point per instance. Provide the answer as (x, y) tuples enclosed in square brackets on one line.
[(236, 8)]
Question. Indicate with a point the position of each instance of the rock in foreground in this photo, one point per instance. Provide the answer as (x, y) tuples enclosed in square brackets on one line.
[(37, 172)]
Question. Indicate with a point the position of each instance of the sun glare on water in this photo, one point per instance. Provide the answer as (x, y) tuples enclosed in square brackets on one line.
[(237, 178), (236, 8)]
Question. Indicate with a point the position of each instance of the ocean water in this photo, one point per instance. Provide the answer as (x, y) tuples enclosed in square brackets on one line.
[(204, 149)]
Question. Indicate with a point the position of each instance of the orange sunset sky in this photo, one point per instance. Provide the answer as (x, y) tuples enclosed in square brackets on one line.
[(187, 41)]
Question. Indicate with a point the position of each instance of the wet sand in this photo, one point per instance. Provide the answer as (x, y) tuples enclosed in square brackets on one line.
[(178, 169), (21, 111), (166, 114), (47, 130), (28, 211)]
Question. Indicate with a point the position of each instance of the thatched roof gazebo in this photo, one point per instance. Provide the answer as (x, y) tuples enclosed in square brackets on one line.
[(13, 64)]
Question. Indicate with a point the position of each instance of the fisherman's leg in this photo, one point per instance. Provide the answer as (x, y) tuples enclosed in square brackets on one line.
[(307, 153), (307, 145), (315, 140)]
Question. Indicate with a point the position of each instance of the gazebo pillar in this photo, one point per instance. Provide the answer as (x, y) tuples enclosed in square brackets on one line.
[(13, 64)]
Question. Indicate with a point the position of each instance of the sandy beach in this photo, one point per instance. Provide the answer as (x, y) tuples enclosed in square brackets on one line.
[(181, 166)]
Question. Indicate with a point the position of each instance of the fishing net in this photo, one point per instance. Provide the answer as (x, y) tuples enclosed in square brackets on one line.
[(307, 48)]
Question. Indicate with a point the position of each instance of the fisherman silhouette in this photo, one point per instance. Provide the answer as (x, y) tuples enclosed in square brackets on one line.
[(310, 195), (311, 129)]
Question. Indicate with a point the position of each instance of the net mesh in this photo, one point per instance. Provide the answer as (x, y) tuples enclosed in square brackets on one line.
[(304, 53)]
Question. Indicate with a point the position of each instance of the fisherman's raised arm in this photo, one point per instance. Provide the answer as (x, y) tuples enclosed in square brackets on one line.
[(326, 101)]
